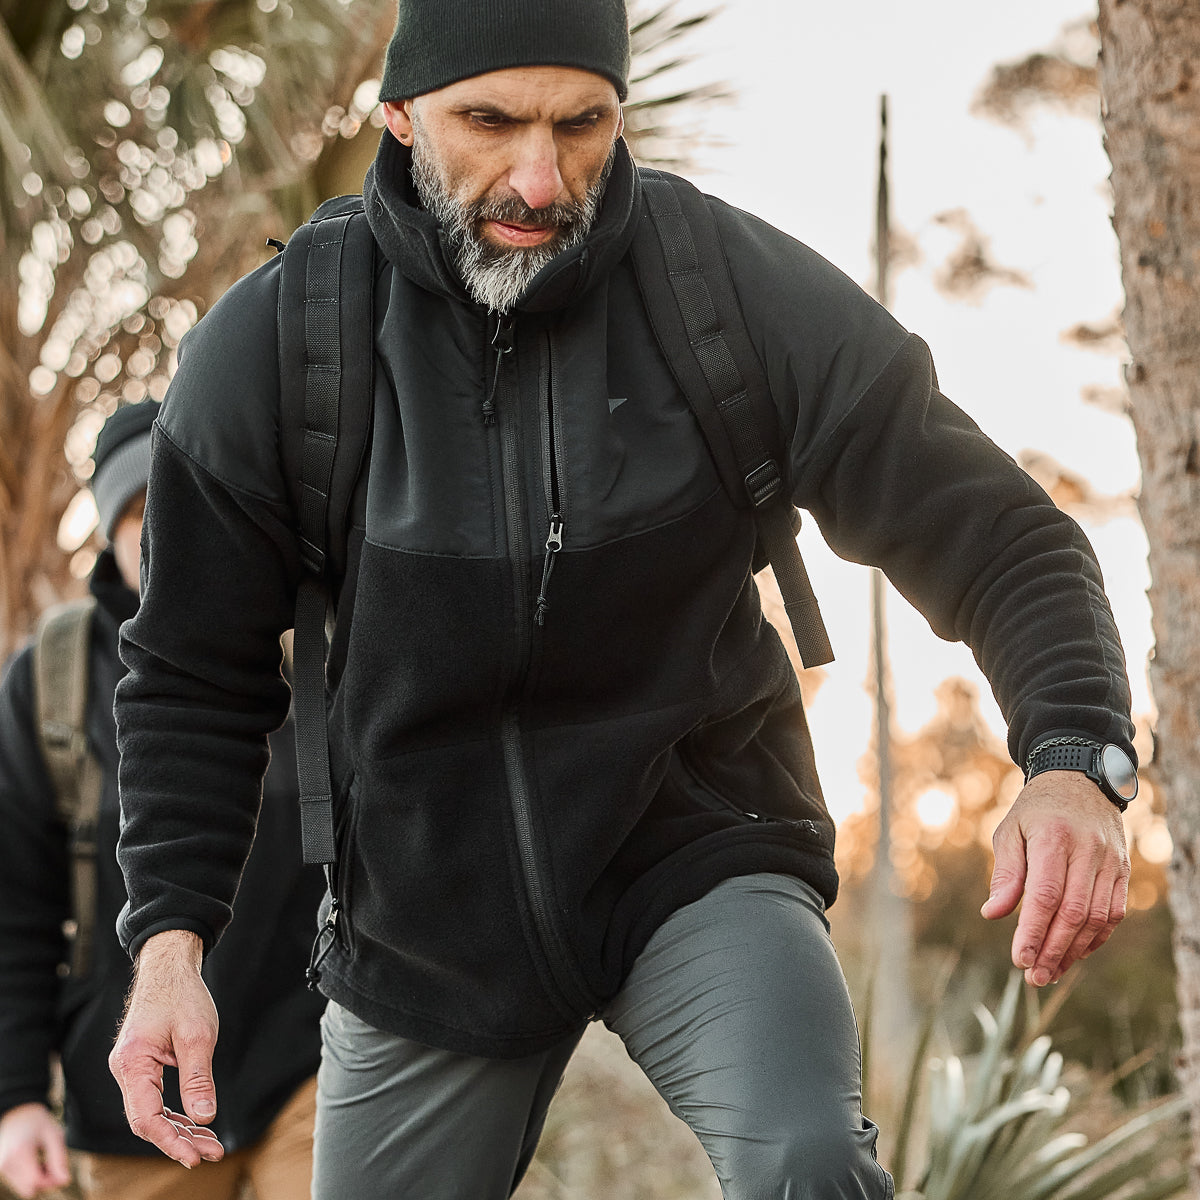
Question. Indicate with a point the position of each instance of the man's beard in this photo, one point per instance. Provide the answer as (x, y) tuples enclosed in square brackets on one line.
[(497, 276)]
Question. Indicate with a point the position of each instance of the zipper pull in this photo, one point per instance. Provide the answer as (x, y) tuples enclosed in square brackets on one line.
[(328, 935), (502, 344), (553, 546)]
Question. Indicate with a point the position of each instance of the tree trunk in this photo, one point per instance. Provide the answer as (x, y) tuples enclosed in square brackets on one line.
[(1152, 127)]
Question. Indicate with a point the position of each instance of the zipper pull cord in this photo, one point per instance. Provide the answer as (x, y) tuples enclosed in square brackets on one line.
[(553, 546), (327, 934), (502, 343), (322, 944)]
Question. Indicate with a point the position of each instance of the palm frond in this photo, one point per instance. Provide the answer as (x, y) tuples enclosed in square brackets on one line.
[(662, 126)]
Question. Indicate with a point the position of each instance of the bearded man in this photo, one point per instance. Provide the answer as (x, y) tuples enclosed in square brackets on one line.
[(602, 802)]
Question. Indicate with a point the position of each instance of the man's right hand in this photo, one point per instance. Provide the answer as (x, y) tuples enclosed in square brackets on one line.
[(33, 1151), (170, 1021)]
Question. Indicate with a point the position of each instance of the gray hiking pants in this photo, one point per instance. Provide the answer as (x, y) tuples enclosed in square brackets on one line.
[(738, 1013)]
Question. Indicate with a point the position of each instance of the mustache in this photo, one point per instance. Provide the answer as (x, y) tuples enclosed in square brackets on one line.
[(512, 210)]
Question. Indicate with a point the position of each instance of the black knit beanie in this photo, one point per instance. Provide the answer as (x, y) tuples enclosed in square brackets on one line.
[(122, 458), (439, 42)]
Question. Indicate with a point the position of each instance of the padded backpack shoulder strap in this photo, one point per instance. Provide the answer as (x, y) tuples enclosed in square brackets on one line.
[(61, 673), (326, 380), (697, 318)]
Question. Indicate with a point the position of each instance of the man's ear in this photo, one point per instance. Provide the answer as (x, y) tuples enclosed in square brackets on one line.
[(398, 118), (620, 121)]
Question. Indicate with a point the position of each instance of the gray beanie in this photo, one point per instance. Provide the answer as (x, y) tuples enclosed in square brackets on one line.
[(122, 458), (439, 42)]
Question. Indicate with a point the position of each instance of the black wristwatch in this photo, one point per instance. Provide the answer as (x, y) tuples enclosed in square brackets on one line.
[(1107, 766)]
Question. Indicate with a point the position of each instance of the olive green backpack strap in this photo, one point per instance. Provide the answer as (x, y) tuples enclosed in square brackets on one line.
[(61, 660)]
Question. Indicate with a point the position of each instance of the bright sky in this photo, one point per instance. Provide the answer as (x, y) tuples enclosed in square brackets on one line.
[(800, 150)]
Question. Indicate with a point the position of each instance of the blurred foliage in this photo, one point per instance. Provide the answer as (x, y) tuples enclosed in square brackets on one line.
[(666, 94), (1006, 1125), (1063, 77), (149, 148)]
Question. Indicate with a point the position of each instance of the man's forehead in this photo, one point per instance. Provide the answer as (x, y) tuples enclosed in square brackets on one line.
[(530, 92)]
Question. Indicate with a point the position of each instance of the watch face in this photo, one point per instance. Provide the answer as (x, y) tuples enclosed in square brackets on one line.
[(1119, 772)]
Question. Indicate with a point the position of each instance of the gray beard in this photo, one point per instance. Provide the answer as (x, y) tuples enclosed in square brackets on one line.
[(494, 276)]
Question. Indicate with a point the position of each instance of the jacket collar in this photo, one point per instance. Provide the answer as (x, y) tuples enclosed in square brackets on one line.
[(113, 597), (413, 242)]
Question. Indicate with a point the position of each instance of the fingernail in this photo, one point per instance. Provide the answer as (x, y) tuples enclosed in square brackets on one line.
[(204, 1108), (1041, 977), (1027, 959)]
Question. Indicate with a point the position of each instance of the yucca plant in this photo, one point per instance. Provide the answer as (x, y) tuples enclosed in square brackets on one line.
[(999, 1130)]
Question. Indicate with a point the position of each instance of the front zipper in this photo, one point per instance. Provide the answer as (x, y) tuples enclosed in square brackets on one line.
[(551, 479), (566, 975)]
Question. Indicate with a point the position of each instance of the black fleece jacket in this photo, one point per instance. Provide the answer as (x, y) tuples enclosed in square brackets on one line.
[(519, 805), (270, 1040)]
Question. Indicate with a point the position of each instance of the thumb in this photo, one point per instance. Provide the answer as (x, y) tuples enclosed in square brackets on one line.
[(1008, 874), (196, 1087)]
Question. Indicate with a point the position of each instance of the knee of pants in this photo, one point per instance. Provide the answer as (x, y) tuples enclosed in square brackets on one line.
[(808, 1164)]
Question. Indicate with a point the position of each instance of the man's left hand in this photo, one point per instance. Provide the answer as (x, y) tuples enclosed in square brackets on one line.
[(1062, 846)]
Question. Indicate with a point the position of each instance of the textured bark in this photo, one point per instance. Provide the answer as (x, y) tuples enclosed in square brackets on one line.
[(1150, 49)]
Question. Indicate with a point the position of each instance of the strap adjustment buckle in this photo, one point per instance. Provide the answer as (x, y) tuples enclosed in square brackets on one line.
[(764, 482)]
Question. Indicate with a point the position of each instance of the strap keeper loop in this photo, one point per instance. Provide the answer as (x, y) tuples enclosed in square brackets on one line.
[(763, 483), (312, 558)]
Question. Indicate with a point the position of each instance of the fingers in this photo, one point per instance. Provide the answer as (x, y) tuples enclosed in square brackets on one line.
[(1109, 902), (1095, 927), (175, 1134), (27, 1175), (137, 1064), (1046, 890), (1074, 899), (33, 1151), (177, 1137)]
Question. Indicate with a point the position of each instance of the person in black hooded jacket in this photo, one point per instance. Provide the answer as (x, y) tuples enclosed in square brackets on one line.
[(572, 776), (270, 1040)]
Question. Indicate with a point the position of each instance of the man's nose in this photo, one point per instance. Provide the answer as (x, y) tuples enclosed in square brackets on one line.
[(535, 176)]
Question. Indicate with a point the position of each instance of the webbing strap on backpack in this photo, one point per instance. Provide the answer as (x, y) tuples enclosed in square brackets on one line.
[(61, 661), (684, 279), (326, 363)]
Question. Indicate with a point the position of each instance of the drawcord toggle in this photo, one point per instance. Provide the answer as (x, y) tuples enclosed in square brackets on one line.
[(502, 343)]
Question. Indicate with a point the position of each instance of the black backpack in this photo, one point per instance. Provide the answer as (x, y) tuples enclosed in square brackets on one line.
[(326, 356)]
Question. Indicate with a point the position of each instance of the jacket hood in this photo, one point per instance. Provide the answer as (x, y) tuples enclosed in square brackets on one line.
[(415, 244)]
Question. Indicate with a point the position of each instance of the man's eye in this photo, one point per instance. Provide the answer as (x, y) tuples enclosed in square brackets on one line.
[(489, 120), (582, 124)]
